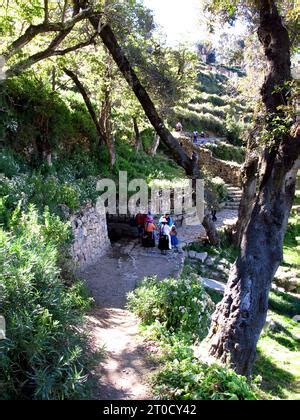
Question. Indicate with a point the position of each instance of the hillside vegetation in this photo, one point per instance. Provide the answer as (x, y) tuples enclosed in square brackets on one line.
[(216, 108)]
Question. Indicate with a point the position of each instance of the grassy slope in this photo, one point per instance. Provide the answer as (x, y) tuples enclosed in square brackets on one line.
[(211, 105), (279, 356), (278, 350), (72, 181)]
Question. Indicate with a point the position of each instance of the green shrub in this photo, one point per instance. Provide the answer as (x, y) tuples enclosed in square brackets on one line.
[(42, 356), (190, 379), (211, 83), (82, 124), (37, 117), (208, 108), (51, 115), (49, 191), (216, 190), (16, 189), (203, 98), (39, 190), (144, 166), (10, 163), (192, 120), (78, 164), (227, 152), (181, 305), (234, 131), (147, 137), (4, 212)]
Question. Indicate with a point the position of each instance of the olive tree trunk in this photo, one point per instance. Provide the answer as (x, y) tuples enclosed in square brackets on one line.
[(249, 187), (241, 315)]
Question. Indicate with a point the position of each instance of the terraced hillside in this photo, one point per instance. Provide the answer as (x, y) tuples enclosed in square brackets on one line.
[(216, 107)]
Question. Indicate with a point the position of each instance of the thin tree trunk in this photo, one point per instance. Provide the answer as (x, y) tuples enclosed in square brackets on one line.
[(211, 230), (90, 108), (155, 145), (106, 124), (53, 78), (138, 145), (240, 317), (130, 76), (46, 11)]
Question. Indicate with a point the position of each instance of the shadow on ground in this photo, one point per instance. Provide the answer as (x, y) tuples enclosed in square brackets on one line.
[(275, 379)]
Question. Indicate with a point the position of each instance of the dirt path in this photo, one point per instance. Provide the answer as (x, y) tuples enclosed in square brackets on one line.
[(125, 368)]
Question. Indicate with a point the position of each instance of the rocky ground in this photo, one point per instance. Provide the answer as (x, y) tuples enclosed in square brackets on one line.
[(125, 366)]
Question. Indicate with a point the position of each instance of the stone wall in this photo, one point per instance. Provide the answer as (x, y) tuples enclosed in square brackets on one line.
[(91, 240), (230, 172)]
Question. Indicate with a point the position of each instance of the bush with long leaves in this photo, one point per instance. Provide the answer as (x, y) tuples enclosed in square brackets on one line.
[(43, 354)]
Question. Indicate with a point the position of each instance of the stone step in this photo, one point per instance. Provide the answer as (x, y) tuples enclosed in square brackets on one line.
[(233, 189), (213, 285), (233, 202), (234, 199), (231, 207), (236, 193)]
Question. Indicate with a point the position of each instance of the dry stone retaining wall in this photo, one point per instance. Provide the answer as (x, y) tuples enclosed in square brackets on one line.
[(230, 172), (90, 234)]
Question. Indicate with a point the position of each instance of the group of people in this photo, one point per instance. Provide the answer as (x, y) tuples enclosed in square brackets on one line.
[(165, 230), (196, 135)]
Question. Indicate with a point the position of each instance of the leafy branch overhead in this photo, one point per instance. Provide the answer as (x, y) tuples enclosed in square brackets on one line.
[(82, 11)]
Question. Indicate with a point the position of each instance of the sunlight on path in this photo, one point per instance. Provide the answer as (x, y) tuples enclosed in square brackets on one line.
[(125, 367), (123, 372)]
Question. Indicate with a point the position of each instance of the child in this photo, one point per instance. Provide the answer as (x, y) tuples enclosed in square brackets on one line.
[(174, 239)]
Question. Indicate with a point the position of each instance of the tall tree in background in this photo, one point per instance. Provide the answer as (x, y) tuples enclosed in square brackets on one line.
[(58, 24), (241, 315), (109, 39)]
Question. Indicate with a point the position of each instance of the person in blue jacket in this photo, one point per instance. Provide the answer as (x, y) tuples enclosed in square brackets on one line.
[(168, 218)]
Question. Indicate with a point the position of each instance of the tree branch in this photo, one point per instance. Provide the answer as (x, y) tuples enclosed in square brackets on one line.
[(64, 10), (46, 11), (75, 47), (33, 30), (88, 103), (48, 52)]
